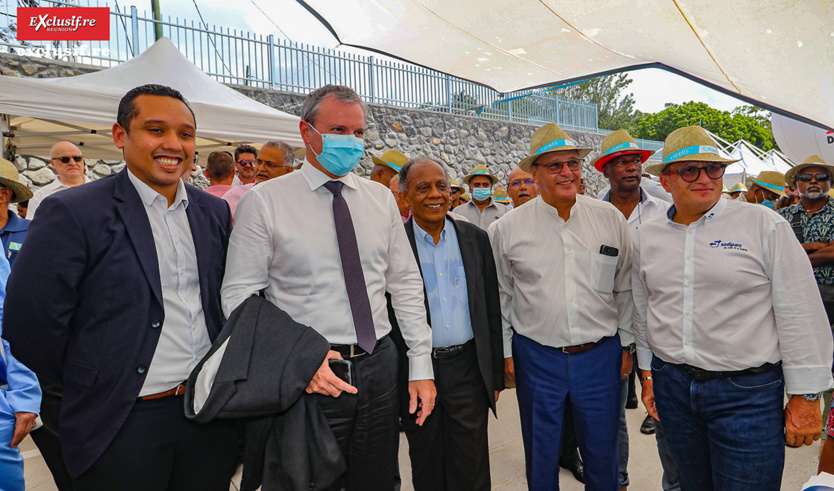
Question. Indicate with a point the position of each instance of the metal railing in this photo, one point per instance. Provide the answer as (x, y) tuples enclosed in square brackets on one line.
[(244, 58)]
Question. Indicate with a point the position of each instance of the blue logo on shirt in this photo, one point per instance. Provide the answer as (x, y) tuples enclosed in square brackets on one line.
[(726, 245)]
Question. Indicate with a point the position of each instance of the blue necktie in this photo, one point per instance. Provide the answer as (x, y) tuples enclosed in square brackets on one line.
[(360, 305)]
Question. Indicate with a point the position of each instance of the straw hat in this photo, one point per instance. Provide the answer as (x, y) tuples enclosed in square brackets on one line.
[(772, 181), (812, 161), (454, 184), (464, 196), (688, 144), (480, 170), (500, 196), (550, 138), (392, 159), (8, 178), (616, 144), (738, 187)]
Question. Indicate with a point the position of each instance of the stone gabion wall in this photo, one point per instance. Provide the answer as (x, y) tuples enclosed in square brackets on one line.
[(459, 141)]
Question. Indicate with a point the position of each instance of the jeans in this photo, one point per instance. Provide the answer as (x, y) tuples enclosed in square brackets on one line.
[(724, 433), (547, 380), (671, 481), (622, 438)]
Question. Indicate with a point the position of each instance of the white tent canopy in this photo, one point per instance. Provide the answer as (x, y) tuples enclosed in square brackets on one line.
[(82, 109), (762, 52)]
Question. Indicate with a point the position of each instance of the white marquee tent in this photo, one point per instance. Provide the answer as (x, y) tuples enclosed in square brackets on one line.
[(750, 164), (777, 55), (82, 109)]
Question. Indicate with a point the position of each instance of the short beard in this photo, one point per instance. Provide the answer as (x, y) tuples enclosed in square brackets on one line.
[(813, 196)]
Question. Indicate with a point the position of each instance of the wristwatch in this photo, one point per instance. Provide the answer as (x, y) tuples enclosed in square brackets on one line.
[(812, 397), (630, 349)]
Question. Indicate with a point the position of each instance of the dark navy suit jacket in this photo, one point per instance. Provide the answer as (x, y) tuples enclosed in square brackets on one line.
[(84, 302)]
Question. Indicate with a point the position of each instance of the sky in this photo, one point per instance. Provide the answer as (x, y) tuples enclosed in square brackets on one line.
[(652, 88)]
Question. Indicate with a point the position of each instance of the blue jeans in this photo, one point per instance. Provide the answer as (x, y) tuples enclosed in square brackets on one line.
[(724, 433), (548, 379), (670, 481)]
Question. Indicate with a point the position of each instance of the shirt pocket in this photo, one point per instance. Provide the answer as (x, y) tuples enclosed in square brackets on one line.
[(603, 269)]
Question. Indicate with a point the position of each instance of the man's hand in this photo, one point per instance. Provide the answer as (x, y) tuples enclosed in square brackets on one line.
[(421, 399), (509, 370), (627, 366), (24, 422), (648, 393), (803, 421), (813, 246), (326, 382)]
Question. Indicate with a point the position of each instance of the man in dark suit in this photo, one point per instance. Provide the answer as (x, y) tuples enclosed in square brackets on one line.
[(116, 297), (450, 450)]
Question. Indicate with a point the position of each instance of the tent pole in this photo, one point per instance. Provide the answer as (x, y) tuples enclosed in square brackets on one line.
[(157, 17)]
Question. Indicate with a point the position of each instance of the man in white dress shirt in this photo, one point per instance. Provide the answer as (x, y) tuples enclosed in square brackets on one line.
[(718, 379), (326, 245), (564, 274), (68, 162)]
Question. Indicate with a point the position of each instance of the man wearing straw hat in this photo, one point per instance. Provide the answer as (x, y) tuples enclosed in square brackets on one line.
[(621, 162), (812, 221), (564, 274), (482, 210), (736, 190), (765, 189), (387, 166), (716, 379), (12, 227), (455, 191)]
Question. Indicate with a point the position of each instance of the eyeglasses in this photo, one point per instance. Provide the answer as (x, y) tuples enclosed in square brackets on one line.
[(455, 191), (556, 167), (624, 161), (253, 163), (807, 177), (518, 182), (270, 165), (77, 158), (691, 173)]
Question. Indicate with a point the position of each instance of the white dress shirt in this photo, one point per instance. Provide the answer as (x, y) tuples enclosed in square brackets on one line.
[(39, 195), (649, 208), (652, 188), (556, 288), (284, 240), (731, 291), (183, 337)]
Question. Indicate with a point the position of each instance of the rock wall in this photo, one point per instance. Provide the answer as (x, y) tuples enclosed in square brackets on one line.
[(461, 142)]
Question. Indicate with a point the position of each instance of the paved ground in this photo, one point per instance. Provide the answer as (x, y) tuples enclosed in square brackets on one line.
[(507, 457)]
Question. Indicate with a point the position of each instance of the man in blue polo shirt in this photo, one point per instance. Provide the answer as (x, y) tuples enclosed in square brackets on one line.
[(12, 227)]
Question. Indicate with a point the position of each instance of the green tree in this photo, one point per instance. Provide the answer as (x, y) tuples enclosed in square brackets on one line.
[(616, 106), (744, 122)]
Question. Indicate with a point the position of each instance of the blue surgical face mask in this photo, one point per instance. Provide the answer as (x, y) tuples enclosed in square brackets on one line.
[(481, 194), (340, 154), (770, 203)]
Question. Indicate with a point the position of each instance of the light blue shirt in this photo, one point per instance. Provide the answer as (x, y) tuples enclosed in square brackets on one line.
[(445, 282), (19, 389)]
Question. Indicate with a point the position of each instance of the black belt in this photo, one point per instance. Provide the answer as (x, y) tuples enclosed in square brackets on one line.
[(349, 351), (452, 351), (703, 375)]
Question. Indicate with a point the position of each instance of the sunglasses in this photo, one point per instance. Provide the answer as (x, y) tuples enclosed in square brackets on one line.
[(691, 173), (253, 163), (807, 177), (77, 158)]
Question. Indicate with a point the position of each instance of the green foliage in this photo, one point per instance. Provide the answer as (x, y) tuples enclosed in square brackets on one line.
[(744, 122), (616, 107)]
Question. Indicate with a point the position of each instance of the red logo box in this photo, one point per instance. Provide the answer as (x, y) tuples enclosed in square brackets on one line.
[(63, 24)]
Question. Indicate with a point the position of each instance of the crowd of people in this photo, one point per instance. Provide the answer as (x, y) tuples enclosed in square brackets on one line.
[(298, 317)]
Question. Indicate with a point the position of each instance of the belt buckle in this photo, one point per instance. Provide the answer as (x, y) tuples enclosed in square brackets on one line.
[(565, 350), (353, 351)]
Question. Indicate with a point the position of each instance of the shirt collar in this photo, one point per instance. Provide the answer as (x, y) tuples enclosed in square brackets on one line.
[(643, 196), (316, 178), (828, 207), (149, 195), (553, 211), (710, 215), (15, 223), (426, 237)]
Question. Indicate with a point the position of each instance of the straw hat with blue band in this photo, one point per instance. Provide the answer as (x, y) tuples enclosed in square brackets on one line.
[(392, 159), (738, 187), (8, 178), (454, 184), (771, 180), (501, 196), (550, 138), (616, 144), (480, 170), (812, 161), (688, 144)]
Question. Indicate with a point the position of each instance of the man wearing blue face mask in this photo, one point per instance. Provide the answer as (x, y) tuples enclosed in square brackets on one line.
[(482, 210), (766, 188), (325, 245)]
